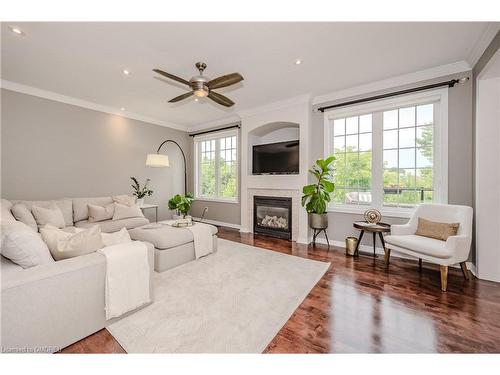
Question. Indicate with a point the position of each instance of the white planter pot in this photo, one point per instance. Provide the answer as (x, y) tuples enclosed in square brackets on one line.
[(140, 201)]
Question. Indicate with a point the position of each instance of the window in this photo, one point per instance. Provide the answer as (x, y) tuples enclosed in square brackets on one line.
[(217, 166), (391, 154)]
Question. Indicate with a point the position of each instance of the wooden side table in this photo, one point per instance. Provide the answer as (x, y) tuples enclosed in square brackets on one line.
[(379, 228), (145, 206)]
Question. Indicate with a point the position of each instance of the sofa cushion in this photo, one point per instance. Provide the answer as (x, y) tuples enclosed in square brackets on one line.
[(165, 237), (115, 238), (48, 215), (420, 244), (66, 206), (80, 206), (23, 246), (124, 212), (109, 226), (126, 200), (24, 215), (6, 215), (100, 213)]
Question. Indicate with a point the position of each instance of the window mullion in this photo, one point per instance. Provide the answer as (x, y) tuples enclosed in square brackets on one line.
[(377, 159)]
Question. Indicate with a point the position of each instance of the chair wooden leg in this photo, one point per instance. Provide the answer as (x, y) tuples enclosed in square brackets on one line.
[(420, 264), (387, 255), (444, 277), (465, 271)]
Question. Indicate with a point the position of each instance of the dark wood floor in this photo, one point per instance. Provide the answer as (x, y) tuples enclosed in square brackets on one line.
[(360, 306)]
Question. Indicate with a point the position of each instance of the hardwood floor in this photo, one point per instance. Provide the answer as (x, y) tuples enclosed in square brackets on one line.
[(360, 306)]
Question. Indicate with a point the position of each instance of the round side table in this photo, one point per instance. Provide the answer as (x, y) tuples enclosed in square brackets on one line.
[(379, 228)]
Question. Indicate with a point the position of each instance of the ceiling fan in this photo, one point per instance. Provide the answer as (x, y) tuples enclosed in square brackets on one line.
[(201, 86)]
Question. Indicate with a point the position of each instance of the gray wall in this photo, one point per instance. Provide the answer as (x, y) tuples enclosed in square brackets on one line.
[(218, 211), (51, 149), (459, 153)]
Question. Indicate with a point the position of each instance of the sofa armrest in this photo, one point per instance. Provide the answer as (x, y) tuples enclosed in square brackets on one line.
[(401, 230), (459, 246)]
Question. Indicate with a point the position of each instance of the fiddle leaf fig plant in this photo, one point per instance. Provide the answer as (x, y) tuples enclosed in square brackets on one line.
[(181, 203), (316, 196)]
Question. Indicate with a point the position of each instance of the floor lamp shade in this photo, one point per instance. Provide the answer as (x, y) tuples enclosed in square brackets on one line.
[(157, 160)]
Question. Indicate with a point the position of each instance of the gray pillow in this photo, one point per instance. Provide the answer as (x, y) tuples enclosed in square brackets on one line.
[(24, 215), (23, 246)]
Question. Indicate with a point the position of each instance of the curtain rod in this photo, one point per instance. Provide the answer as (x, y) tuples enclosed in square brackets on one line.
[(215, 130), (450, 83)]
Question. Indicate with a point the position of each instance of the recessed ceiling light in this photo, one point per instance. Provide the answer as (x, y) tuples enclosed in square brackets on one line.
[(16, 30), (122, 108), (196, 99), (298, 62), (126, 72)]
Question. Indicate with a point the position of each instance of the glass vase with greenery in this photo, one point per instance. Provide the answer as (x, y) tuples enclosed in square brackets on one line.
[(181, 203), (316, 196)]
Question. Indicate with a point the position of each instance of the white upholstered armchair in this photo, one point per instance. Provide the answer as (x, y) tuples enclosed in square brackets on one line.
[(445, 253)]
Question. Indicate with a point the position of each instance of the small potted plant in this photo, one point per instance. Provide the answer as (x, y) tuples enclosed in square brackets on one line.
[(181, 203), (317, 196), (141, 192)]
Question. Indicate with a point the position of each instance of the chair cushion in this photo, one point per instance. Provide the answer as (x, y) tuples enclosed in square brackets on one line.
[(166, 237), (433, 229), (419, 244), (109, 226)]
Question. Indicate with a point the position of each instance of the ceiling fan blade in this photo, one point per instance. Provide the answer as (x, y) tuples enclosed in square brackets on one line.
[(171, 76), (223, 81), (221, 99), (181, 97)]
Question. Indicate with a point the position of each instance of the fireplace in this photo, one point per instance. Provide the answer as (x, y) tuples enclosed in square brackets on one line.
[(273, 216)]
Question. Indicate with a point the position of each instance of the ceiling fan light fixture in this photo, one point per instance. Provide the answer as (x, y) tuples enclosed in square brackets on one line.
[(200, 93)]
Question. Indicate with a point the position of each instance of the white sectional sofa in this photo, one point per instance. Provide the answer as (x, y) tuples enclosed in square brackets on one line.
[(48, 307)]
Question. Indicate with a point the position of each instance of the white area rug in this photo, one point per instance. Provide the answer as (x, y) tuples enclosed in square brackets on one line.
[(233, 301)]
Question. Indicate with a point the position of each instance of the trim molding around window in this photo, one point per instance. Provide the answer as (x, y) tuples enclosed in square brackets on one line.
[(372, 191), (218, 154)]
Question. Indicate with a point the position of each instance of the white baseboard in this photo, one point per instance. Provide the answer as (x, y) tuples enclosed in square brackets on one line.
[(218, 223)]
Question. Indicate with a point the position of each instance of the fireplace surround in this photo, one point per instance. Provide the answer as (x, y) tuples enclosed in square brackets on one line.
[(272, 216)]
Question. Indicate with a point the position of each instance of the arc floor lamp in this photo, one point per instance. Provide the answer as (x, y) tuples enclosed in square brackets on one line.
[(159, 160)]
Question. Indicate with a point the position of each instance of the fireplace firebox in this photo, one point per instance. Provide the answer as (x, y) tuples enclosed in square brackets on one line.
[(273, 216)]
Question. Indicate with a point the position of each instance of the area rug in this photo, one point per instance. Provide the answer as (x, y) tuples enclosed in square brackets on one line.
[(233, 301)]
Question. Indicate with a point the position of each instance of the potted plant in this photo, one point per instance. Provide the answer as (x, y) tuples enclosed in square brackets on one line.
[(141, 192), (316, 196), (181, 203)]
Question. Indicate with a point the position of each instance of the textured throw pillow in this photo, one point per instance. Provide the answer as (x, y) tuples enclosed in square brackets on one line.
[(126, 200), (64, 245), (126, 212), (48, 215), (5, 213), (23, 246), (110, 239), (439, 231), (24, 215), (100, 213)]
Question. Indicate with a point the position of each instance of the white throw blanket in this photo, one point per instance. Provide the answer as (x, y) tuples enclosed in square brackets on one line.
[(127, 277), (202, 234)]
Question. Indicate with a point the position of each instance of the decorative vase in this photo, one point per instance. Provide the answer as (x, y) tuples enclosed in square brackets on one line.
[(140, 202), (350, 245), (318, 221)]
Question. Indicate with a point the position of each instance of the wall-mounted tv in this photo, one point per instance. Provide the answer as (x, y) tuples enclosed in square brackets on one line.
[(276, 158)]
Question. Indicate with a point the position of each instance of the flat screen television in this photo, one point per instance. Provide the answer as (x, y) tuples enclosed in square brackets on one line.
[(276, 158)]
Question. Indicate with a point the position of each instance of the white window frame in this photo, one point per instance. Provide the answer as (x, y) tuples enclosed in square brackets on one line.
[(440, 146), (197, 161)]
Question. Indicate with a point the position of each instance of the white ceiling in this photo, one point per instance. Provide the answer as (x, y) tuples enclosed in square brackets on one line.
[(85, 60)]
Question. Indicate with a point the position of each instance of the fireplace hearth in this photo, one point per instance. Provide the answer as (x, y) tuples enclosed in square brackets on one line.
[(273, 216)]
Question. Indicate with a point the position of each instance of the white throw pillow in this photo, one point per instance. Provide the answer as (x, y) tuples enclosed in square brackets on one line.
[(110, 239), (23, 246), (48, 215), (100, 213), (126, 212), (126, 200), (64, 245), (23, 214)]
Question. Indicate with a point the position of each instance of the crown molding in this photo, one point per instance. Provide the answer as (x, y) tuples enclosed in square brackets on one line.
[(50, 95), (421, 75), (483, 42), (285, 103)]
